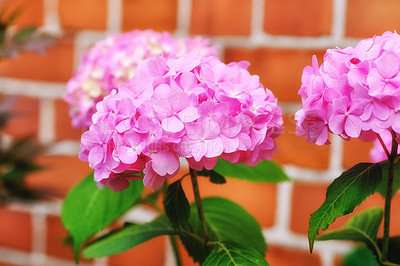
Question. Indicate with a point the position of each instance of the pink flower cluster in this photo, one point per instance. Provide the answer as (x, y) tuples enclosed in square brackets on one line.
[(354, 93), (193, 107), (114, 60)]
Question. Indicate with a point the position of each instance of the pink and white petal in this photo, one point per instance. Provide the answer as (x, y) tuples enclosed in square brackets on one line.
[(172, 124), (230, 144), (96, 156), (188, 114), (336, 123), (127, 154), (215, 147), (165, 162), (388, 64), (353, 126), (199, 149)]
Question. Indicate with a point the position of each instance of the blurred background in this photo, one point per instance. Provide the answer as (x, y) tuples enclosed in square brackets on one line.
[(278, 38)]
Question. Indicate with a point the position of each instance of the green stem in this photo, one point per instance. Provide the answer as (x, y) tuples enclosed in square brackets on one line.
[(388, 198), (199, 205), (175, 250)]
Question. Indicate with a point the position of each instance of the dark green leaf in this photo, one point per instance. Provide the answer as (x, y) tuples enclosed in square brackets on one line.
[(228, 221), (194, 245), (234, 254), (128, 237), (88, 209), (360, 256), (345, 193), (362, 227), (215, 177), (396, 182), (176, 205), (264, 171), (24, 34), (394, 248)]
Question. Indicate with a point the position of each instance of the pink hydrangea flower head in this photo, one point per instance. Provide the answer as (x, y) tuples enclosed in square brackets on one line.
[(353, 93), (114, 61), (189, 107)]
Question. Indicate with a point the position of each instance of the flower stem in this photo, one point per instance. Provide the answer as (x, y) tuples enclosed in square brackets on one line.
[(199, 205), (175, 250), (383, 145), (388, 198)]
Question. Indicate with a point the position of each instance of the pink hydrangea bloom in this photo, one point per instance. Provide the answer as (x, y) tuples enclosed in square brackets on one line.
[(114, 60), (193, 107), (355, 91)]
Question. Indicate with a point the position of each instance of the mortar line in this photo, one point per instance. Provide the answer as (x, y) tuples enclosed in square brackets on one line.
[(114, 16), (46, 130), (183, 18)]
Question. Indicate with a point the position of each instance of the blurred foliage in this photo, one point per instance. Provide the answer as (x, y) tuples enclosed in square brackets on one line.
[(14, 39), (17, 156)]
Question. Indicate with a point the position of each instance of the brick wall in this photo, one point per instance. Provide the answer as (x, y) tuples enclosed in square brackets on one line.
[(278, 37)]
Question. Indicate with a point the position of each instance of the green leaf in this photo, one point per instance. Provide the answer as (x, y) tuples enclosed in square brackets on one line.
[(394, 247), (360, 256), (345, 193), (227, 221), (128, 237), (215, 177), (88, 209), (176, 205), (396, 182), (24, 34), (264, 171), (234, 254), (362, 227)]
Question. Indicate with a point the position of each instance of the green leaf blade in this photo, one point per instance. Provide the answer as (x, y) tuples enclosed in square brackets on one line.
[(228, 221), (234, 254), (345, 193), (88, 209), (362, 227), (128, 237), (176, 205), (264, 171)]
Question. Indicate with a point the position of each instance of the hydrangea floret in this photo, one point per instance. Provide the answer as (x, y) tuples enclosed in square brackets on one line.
[(114, 60), (355, 93), (190, 106)]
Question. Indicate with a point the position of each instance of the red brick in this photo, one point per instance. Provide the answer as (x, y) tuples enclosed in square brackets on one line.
[(372, 17), (288, 257), (54, 65), (149, 253), (55, 238), (24, 120), (64, 129), (83, 14), (15, 229), (31, 12), (300, 18), (259, 199), (158, 15), (7, 264), (355, 151), (59, 175), (289, 146), (308, 197), (222, 17), (280, 70)]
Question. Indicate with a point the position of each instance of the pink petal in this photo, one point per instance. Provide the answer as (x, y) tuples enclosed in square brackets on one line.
[(336, 123), (165, 162), (188, 115), (172, 124), (352, 126), (388, 64), (215, 147)]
